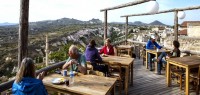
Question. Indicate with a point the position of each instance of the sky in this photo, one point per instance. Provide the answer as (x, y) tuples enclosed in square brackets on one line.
[(87, 9)]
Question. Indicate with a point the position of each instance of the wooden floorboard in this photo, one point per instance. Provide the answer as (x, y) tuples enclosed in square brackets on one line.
[(146, 82)]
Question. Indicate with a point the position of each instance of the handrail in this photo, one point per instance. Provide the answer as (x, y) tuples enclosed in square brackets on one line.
[(7, 85), (182, 51)]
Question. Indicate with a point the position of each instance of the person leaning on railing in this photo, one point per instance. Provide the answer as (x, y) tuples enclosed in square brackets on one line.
[(26, 82), (76, 61), (108, 48), (150, 46)]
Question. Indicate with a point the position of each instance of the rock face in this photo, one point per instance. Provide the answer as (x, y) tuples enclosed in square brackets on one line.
[(186, 43)]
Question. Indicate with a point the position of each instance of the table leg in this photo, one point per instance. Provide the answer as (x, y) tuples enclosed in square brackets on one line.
[(168, 78), (146, 60), (126, 80), (156, 64), (132, 73), (187, 78)]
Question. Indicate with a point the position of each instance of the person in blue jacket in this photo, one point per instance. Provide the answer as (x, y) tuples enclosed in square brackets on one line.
[(150, 46), (92, 55), (26, 82)]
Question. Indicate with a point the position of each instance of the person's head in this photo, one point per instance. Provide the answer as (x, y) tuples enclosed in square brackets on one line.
[(92, 43), (176, 44), (27, 69), (153, 38), (108, 41), (73, 51)]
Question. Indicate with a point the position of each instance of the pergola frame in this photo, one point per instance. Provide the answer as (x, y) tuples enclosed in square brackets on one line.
[(118, 7), (167, 11)]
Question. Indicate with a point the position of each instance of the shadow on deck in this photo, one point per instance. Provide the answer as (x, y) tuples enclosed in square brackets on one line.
[(146, 82)]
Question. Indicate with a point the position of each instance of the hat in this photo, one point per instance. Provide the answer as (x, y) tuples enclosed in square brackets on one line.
[(153, 37)]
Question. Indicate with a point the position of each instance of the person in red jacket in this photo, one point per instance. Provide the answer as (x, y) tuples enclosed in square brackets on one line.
[(108, 48)]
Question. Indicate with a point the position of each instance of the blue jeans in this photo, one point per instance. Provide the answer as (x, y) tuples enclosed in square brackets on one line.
[(150, 56), (161, 61)]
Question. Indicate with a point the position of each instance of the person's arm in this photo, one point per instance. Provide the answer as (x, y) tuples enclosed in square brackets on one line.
[(111, 50), (67, 64), (156, 44), (102, 50), (98, 56)]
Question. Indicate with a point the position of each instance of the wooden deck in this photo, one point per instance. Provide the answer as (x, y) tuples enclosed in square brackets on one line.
[(146, 82)]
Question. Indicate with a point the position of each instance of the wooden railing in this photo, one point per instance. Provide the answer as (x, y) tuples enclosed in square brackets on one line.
[(170, 48), (7, 85)]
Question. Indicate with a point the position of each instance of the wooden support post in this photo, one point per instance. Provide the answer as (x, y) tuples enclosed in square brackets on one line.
[(105, 25), (23, 31), (47, 50), (176, 25), (126, 30)]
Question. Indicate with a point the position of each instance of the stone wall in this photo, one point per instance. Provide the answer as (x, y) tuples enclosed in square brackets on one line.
[(186, 43), (193, 29)]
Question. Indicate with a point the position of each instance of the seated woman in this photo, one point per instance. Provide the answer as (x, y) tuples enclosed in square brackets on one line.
[(175, 53), (108, 48), (26, 82), (93, 56)]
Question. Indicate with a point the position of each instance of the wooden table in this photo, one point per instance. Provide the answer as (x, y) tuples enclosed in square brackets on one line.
[(156, 53), (187, 62), (83, 84), (125, 47), (127, 63)]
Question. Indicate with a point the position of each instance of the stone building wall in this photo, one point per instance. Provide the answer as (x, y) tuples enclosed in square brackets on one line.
[(186, 43), (193, 29)]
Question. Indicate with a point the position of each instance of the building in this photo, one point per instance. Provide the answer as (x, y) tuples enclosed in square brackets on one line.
[(190, 28)]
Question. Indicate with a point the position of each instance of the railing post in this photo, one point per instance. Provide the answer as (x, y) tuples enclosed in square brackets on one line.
[(176, 25), (105, 24), (23, 31), (126, 30)]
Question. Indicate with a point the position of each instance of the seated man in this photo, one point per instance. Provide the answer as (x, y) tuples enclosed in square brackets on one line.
[(93, 56), (150, 45), (76, 60), (175, 53)]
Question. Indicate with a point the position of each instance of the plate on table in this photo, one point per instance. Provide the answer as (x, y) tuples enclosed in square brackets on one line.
[(58, 80)]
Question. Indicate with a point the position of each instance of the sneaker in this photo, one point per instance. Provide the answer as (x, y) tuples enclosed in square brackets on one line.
[(154, 59), (159, 73)]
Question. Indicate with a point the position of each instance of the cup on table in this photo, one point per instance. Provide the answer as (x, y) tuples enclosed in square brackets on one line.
[(67, 82), (64, 73), (158, 49)]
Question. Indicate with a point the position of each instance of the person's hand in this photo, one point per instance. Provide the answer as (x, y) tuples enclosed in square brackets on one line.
[(41, 75), (73, 62), (167, 56)]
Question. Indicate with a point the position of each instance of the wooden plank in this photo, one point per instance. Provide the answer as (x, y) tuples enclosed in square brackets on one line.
[(164, 11), (125, 5)]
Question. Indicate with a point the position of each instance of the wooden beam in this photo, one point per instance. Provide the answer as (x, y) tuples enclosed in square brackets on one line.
[(126, 5), (176, 25), (164, 11), (23, 31), (105, 25)]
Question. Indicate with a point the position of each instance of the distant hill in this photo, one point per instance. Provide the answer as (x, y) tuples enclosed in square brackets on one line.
[(139, 23), (156, 22), (7, 24)]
